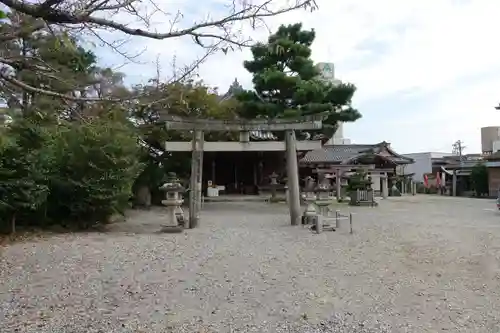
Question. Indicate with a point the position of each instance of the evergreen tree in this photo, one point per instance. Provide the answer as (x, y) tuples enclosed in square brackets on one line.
[(359, 181), (287, 84), (479, 178)]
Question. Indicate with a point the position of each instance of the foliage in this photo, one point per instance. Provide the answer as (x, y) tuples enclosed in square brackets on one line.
[(191, 99), (420, 188), (74, 173), (479, 179), (359, 181), (24, 166), (286, 83), (74, 65), (97, 164)]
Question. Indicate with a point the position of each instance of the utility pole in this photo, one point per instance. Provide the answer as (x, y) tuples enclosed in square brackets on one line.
[(458, 148)]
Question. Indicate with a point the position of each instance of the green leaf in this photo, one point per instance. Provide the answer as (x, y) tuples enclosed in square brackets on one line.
[(288, 84), (3, 15)]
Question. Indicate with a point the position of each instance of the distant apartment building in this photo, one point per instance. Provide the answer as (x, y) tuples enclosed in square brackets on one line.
[(327, 73), (490, 139), (424, 163)]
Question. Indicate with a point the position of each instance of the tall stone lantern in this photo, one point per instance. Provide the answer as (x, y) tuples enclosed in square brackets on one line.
[(274, 185), (173, 201)]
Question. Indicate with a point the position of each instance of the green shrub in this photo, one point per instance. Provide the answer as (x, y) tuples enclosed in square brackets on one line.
[(73, 174), (479, 178), (358, 180), (25, 163), (97, 163), (420, 188)]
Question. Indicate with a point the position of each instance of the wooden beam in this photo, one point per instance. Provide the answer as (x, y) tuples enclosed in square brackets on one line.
[(304, 123), (242, 146), (343, 167)]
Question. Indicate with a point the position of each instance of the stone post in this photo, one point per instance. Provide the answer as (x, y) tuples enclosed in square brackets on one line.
[(454, 183), (292, 171), (274, 185), (338, 185), (385, 186)]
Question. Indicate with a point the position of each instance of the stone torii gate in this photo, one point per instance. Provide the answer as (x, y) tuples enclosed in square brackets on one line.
[(198, 145)]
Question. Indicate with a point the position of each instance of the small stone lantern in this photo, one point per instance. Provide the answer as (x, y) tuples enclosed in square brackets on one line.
[(310, 214), (173, 201), (274, 185), (324, 189), (309, 189)]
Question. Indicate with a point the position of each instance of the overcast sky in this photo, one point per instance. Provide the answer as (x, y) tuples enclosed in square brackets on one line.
[(427, 71)]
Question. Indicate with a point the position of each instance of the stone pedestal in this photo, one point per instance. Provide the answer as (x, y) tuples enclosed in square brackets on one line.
[(310, 214), (173, 201)]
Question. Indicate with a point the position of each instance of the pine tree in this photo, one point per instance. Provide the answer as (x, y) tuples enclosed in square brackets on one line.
[(286, 83), (359, 181)]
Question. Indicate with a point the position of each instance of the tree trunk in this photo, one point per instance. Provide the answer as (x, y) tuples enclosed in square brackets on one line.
[(13, 224), (143, 197)]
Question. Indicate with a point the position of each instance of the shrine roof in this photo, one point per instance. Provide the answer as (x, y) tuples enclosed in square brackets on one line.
[(337, 154)]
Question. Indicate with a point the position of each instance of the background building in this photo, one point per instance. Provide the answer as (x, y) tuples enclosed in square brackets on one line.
[(327, 73), (490, 139), (423, 163)]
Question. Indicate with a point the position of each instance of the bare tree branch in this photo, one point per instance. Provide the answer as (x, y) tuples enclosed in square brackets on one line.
[(90, 16), (248, 11), (70, 97)]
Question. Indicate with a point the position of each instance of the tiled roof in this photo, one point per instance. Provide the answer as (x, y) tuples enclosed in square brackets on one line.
[(342, 153), (336, 153)]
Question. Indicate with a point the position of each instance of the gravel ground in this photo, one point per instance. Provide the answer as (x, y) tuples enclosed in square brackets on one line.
[(413, 264)]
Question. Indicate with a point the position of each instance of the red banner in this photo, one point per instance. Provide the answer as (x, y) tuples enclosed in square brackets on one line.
[(438, 180)]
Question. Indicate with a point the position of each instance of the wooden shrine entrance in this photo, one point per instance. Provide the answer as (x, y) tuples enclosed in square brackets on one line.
[(198, 145)]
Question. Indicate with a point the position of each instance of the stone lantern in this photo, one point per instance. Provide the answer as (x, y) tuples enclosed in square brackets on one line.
[(324, 188), (323, 196), (274, 185), (307, 194), (310, 214), (173, 201)]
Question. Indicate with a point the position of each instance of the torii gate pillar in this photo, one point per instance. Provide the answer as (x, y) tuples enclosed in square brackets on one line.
[(292, 171)]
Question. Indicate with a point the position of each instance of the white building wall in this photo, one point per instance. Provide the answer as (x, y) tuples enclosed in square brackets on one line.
[(496, 146), (423, 164)]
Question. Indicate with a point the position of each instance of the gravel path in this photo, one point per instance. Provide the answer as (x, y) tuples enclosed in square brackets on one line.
[(413, 264)]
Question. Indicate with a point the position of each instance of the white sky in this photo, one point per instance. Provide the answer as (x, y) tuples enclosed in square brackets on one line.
[(427, 72)]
